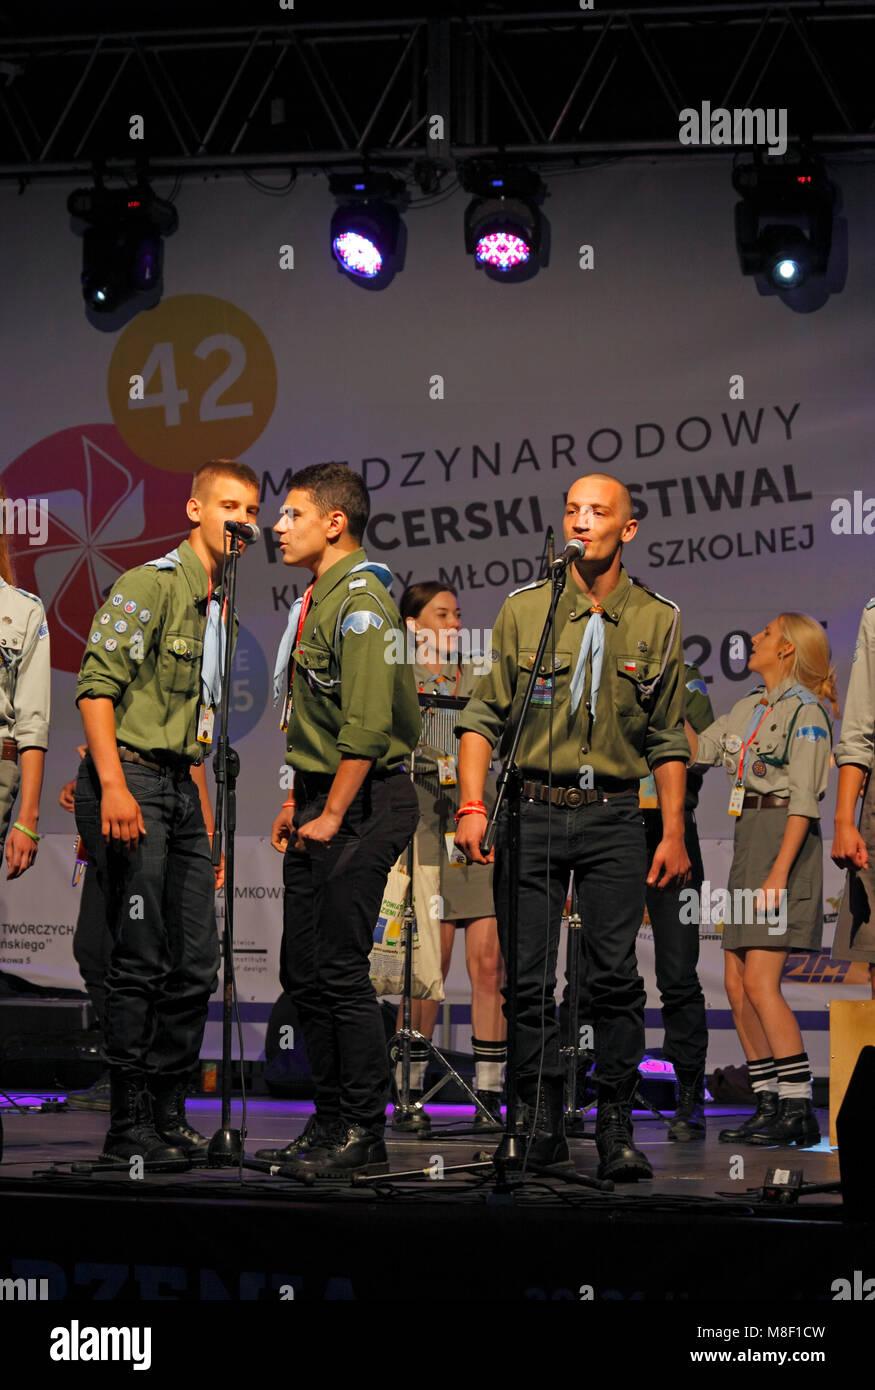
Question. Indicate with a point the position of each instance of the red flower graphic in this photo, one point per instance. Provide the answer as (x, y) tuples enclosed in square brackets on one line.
[(107, 512)]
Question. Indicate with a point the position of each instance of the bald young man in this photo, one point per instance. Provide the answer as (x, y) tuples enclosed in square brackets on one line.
[(608, 710)]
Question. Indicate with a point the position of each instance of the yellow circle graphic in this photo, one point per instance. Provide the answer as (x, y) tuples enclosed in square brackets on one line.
[(191, 380)]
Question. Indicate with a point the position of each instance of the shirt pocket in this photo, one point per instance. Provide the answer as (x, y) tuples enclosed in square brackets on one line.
[(180, 667), (12, 637), (547, 685), (632, 672), (316, 666)]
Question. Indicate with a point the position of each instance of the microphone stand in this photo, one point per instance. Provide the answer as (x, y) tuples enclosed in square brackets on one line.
[(226, 1146)]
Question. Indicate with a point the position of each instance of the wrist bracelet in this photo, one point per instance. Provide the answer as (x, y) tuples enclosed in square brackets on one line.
[(24, 830), (469, 811), (287, 803)]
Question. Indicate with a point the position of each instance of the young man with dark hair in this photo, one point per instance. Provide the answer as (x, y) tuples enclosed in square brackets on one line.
[(351, 717), (148, 689)]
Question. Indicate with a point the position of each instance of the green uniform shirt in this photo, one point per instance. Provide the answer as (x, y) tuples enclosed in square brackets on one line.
[(857, 743), (630, 734), (144, 654), (353, 694), (789, 753)]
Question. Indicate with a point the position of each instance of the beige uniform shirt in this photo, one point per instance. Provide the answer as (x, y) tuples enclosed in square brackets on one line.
[(25, 668), (857, 743), (789, 752)]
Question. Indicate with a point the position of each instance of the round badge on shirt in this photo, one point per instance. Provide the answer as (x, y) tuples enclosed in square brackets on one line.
[(758, 768)]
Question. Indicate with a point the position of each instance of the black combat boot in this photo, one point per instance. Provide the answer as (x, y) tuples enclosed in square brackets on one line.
[(688, 1122), (619, 1159), (544, 1121), (315, 1131), (132, 1132), (766, 1111), (354, 1150), (795, 1123), (491, 1123), (171, 1121)]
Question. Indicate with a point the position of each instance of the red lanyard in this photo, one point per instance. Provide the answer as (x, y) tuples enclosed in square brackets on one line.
[(305, 604), (744, 747)]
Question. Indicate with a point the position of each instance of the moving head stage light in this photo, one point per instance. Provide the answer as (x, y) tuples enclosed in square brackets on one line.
[(783, 225), (503, 224), (366, 228), (123, 251)]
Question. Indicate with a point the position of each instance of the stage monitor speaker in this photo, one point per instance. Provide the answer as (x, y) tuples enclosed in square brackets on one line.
[(851, 1026), (855, 1130)]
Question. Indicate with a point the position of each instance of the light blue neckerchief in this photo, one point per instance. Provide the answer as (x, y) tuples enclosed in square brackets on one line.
[(287, 641), (593, 643), (213, 660)]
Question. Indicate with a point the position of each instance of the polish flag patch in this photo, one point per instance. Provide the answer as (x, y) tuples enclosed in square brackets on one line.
[(630, 665)]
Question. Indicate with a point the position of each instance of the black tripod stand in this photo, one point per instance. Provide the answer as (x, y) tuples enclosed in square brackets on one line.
[(406, 1117)]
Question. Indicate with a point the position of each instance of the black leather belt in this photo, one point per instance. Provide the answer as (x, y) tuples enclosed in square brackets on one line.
[(577, 796), (177, 766)]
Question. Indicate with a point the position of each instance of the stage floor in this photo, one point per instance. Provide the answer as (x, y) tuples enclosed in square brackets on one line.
[(699, 1232), (35, 1141)]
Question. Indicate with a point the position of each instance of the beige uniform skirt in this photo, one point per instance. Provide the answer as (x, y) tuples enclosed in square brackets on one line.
[(465, 888), (758, 835), (855, 928)]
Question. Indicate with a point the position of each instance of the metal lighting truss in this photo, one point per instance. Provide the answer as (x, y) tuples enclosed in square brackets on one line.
[(547, 88)]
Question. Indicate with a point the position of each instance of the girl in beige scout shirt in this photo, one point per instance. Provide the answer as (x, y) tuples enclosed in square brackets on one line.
[(25, 678), (431, 613), (775, 745)]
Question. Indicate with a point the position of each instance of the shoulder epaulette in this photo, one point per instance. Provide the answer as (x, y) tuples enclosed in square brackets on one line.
[(653, 594), (27, 594), (535, 584), (802, 693)]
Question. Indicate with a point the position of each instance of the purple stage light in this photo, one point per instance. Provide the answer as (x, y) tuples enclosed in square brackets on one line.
[(502, 251), (358, 254)]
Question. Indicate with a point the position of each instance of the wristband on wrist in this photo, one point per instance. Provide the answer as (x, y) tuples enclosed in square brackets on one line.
[(469, 809), (287, 803), (24, 830)]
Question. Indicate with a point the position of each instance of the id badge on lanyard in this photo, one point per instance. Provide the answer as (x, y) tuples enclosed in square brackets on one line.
[(736, 799)]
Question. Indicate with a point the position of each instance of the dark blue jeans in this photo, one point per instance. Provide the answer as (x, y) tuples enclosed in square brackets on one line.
[(330, 909), (160, 907), (604, 845)]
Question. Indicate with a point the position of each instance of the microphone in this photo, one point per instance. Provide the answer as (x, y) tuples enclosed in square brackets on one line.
[(243, 531), (574, 550)]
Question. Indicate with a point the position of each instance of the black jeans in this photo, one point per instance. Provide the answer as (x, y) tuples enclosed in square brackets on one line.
[(676, 956), (330, 909), (605, 846), (92, 941), (160, 906)]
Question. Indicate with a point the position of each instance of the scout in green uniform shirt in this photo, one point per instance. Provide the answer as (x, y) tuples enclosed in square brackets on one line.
[(145, 653), (348, 697), (351, 717), (639, 716), (150, 676), (608, 708)]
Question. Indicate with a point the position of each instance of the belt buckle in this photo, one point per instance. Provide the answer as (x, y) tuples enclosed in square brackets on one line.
[(574, 797)]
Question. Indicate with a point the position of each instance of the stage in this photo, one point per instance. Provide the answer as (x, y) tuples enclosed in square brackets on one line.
[(695, 1233)]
